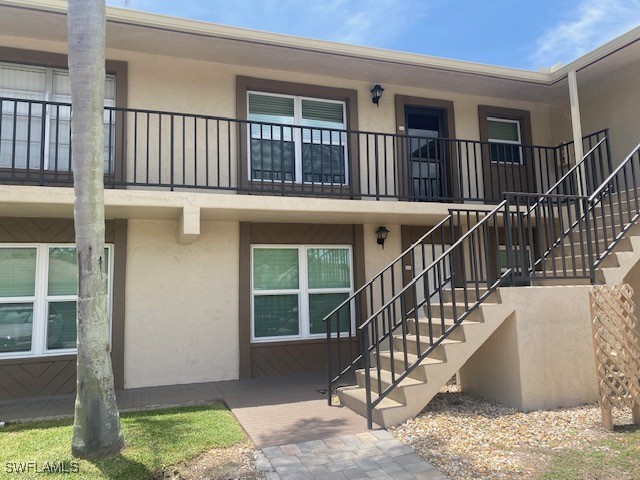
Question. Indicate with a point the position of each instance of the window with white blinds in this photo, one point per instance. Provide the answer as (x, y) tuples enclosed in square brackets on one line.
[(505, 140), (22, 132), (300, 140), (38, 296), (295, 286)]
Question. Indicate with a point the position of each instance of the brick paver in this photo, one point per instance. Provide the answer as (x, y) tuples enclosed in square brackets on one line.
[(287, 417), (366, 456), (272, 410)]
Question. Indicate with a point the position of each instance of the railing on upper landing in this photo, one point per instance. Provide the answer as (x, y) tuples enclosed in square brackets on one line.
[(171, 150)]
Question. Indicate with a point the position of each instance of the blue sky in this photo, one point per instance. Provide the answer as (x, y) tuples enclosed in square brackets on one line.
[(511, 33)]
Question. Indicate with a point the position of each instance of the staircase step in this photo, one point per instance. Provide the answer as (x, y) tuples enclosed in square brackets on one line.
[(548, 282), (412, 343), (448, 309), (356, 399), (471, 293), (437, 329), (385, 381), (398, 360)]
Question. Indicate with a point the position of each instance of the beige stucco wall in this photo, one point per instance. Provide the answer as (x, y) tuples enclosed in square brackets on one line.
[(612, 102), (181, 304), (542, 356)]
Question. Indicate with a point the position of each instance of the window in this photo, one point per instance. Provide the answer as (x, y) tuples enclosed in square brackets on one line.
[(302, 139), (295, 287), (505, 140), (38, 294), (21, 131)]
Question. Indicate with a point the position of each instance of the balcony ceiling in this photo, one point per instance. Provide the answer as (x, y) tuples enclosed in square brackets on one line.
[(159, 35)]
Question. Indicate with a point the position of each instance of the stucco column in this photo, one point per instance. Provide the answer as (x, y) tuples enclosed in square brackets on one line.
[(575, 114), (576, 125)]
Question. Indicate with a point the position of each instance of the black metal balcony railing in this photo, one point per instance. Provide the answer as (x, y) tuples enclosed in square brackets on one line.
[(169, 150)]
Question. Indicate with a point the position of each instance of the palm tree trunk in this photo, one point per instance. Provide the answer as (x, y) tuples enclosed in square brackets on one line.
[(96, 429)]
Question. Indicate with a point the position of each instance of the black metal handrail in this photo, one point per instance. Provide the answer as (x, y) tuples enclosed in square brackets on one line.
[(614, 207), (579, 178), (548, 238), (419, 307), (173, 150), (534, 211), (528, 221), (571, 235), (371, 296)]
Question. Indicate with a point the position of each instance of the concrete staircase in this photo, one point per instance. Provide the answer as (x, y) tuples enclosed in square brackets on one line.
[(415, 391), (408, 358)]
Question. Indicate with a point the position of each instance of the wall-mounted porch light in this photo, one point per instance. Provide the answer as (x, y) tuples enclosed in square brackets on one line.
[(382, 233), (376, 93)]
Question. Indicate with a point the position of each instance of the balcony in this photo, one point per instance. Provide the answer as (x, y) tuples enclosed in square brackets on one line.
[(147, 149)]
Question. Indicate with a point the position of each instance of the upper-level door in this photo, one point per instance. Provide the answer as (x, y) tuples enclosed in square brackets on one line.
[(426, 169)]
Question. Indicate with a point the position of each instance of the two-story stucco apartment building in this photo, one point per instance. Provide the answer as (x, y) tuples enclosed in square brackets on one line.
[(248, 175)]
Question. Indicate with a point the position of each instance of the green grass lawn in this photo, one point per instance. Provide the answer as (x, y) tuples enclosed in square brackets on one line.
[(154, 440), (617, 458)]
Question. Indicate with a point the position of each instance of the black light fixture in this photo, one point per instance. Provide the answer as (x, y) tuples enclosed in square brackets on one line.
[(376, 93), (382, 233)]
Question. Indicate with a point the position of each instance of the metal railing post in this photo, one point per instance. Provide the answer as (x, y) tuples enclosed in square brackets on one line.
[(171, 156), (329, 361), (587, 214), (367, 373)]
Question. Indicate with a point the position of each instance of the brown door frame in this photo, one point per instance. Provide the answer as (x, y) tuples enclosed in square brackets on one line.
[(402, 101)]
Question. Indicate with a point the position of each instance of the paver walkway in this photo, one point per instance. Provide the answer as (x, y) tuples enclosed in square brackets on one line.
[(287, 417), (371, 455)]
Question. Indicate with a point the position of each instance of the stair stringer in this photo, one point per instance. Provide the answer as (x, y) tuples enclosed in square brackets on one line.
[(410, 397)]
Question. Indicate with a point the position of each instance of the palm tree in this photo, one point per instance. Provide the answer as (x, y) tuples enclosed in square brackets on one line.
[(96, 428)]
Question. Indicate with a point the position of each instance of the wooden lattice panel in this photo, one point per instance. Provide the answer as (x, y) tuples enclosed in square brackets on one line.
[(616, 338)]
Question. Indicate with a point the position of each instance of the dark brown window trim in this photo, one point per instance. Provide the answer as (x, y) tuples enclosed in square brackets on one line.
[(402, 101), (286, 343), (244, 310), (350, 97), (119, 240), (58, 60), (40, 359), (491, 170), (523, 116)]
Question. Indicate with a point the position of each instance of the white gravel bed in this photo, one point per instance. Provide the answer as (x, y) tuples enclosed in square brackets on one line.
[(468, 438)]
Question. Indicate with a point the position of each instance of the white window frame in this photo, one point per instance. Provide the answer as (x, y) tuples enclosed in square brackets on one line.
[(41, 300), (303, 291), (48, 96), (297, 128), (508, 142)]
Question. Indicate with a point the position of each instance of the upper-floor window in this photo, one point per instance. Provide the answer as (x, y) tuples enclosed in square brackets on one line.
[(24, 143), (505, 140), (299, 139)]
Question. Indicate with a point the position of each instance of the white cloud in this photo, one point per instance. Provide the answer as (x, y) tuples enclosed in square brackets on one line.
[(364, 22), (591, 24)]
